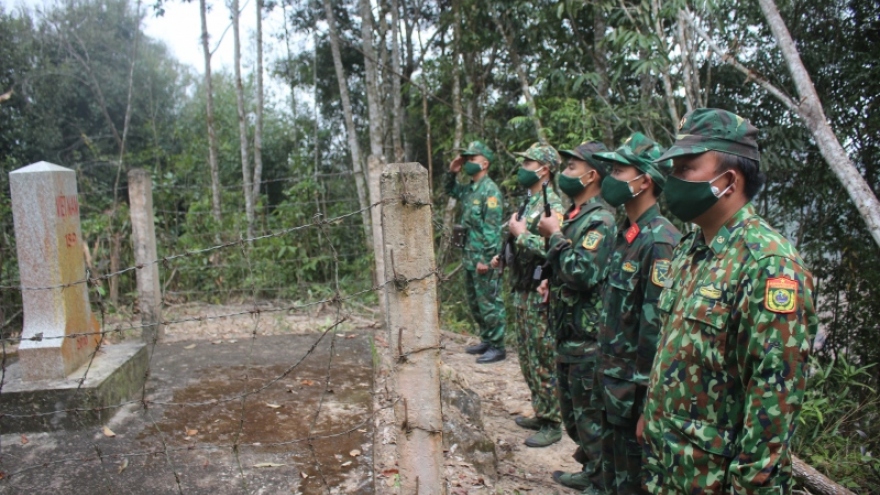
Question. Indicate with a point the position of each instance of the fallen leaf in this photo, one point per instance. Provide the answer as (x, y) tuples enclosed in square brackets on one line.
[(273, 406), (189, 346), (217, 342), (350, 336), (304, 475), (390, 481), (108, 432), (192, 433), (362, 430), (268, 465), (346, 464), (233, 341), (123, 465), (390, 472), (307, 382), (24, 440), (355, 453)]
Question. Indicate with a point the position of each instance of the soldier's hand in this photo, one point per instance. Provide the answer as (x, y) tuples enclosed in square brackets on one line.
[(640, 430), (455, 166), (496, 261), (544, 290), (515, 226), (548, 225), (482, 269)]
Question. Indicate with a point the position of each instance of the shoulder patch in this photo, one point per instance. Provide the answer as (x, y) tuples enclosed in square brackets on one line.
[(780, 295), (592, 240), (492, 202), (660, 272)]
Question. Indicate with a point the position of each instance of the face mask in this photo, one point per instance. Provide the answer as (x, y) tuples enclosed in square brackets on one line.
[(472, 168), (617, 192), (571, 186), (687, 200), (527, 178)]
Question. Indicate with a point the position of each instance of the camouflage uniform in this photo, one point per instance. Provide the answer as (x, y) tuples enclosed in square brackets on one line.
[(727, 383), (578, 256), (536, 347), (631, 323), (482, 216)]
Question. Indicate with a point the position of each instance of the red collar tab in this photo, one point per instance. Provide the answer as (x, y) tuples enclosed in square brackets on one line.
[(632, 232), (573, 213)]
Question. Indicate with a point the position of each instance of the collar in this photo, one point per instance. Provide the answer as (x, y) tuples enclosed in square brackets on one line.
[(728, 231), (584, 208)]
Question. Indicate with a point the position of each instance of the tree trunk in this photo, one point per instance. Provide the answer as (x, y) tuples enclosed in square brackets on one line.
[(523, 79), (664, 51), (449, 212), (258, 121), (814, 481), (600, 61), (209, 118), (351, 131), (396, 96), (242, 122), (374, 110)]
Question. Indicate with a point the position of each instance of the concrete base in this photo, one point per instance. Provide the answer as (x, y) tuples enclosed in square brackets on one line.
[(115, 375)]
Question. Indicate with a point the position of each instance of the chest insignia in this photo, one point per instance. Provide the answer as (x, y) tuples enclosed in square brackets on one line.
[(781, 295), (630, 267), (592, 240), (660, 273), (710, 292), (477, 202)]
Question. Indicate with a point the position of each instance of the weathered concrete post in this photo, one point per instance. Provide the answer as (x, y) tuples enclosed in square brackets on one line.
[(45, 210), (411, 319), (140, 195)]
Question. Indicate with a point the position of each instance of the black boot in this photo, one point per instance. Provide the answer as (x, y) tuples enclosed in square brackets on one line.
[(494, 354), (480, 348)]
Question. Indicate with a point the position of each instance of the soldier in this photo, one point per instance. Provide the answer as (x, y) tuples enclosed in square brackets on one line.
[(536, 346), (482, 215), (728, 381), (630, 322), (578, 255)]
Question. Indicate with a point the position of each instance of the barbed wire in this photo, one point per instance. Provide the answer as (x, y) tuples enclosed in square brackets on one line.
[(154, 401)]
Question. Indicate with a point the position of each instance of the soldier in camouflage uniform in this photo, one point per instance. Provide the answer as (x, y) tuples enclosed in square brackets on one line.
[(578, 255), (536, 346), (630, 322), (482, 216), (728, 381)]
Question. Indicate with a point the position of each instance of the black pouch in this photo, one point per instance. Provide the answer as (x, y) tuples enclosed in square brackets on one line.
[(459, 235)]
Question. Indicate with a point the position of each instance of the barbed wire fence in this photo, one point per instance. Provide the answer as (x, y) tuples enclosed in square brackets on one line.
[(247, 443)]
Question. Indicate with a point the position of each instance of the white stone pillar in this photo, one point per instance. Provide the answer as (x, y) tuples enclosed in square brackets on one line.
[(45, 210), (143, 232)]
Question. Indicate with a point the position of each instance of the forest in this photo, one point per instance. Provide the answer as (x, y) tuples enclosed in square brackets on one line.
[(371, 82)]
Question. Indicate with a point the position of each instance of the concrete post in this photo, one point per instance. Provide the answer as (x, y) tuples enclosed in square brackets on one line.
[(140, 194), (411, 319), (45, 210)]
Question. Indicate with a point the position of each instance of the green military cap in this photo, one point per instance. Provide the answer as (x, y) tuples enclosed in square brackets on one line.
[(586, 151), (643, 153), (706, 129), (543, 153), (478, 148)]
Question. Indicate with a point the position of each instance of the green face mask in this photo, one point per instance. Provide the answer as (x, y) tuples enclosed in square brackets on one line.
[(571, 186), (617, 192), (472, 168), (687, 200), (527, 178)]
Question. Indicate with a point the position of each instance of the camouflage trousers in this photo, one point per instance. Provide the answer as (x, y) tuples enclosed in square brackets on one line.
[(536, 348), (583, 422), (487, 307), (621, 459)]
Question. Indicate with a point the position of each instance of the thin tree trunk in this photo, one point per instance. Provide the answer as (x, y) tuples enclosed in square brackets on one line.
[(374, 110), (351, 131), (258, 122), (600, 62), (687, 68), (212, 136), (396, 96), (242, 122), (449, 212), (523, 80), (664, 51), (127, 119), (809, 109)]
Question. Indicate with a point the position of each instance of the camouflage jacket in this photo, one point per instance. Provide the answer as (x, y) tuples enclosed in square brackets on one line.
[(482, 215), (529, 246), (728, 380), (578, 257), (630, 322)]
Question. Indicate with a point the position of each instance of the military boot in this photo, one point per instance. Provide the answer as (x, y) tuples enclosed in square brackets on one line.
[(532, 423), (578, 481), (494, 354), (549, 434), (478, 348)]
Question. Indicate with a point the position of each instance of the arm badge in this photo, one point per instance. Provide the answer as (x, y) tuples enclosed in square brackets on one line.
[(780, 295), (660, 272), (592, 240)]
